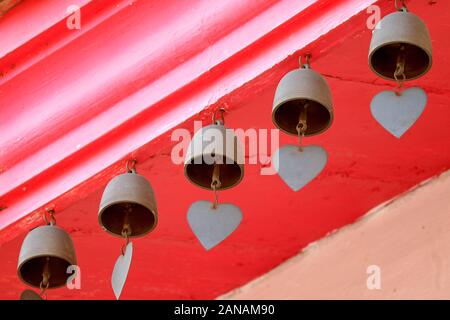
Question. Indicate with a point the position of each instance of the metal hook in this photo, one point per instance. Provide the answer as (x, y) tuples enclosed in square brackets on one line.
[(399, 74), (307, 65), (404, 8), (133, 166), (51, 213), (222, 119)]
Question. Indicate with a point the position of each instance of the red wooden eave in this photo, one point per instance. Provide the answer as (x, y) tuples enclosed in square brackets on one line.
[(76, 104), (82, 104)]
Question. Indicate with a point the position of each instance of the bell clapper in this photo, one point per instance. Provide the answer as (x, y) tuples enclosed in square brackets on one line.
[(399, 74), (45, 283), (123, 262), (126, 230), (302, 126), (49, 219), (216, 184)]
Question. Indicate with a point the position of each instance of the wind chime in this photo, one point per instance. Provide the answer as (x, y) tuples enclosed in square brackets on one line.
[(127, 209), (214, 165), (46, 254), (400, 51), (302, 107)]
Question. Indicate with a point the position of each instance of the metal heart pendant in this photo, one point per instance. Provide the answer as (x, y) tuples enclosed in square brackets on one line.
[(397, 114), (30, 295), (120, 272), (212, 226), (298, 168)]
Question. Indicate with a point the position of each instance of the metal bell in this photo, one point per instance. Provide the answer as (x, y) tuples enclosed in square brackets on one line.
[(401, 37), (299, 89), (128, 203), (203, 151), (46, 250)]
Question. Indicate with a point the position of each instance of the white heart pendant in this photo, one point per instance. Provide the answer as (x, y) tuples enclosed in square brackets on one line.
[(297, 168), (120, 272), (212, 226), (396, 113), (30, 295)]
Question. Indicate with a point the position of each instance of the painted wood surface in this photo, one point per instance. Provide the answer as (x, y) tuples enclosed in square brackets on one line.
[(76, 104)]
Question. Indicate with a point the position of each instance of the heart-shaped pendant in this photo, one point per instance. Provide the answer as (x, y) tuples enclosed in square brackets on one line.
[(297, 168), (213, 225), (30, 295), (396, 113), (121, 268)]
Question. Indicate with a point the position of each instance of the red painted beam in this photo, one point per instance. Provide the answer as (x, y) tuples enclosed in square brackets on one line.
[(70, 114), (37, 29), (366, 166)]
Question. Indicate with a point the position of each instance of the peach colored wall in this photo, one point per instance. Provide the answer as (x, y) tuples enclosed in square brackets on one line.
[(408, 238)]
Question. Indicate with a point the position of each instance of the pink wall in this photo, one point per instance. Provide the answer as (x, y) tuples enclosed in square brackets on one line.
[(408, 238)]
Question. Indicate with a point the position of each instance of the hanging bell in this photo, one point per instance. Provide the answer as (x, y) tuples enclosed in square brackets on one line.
[(298, 91), (46, 253), (128, 202), (214, 146), (401, 37)]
